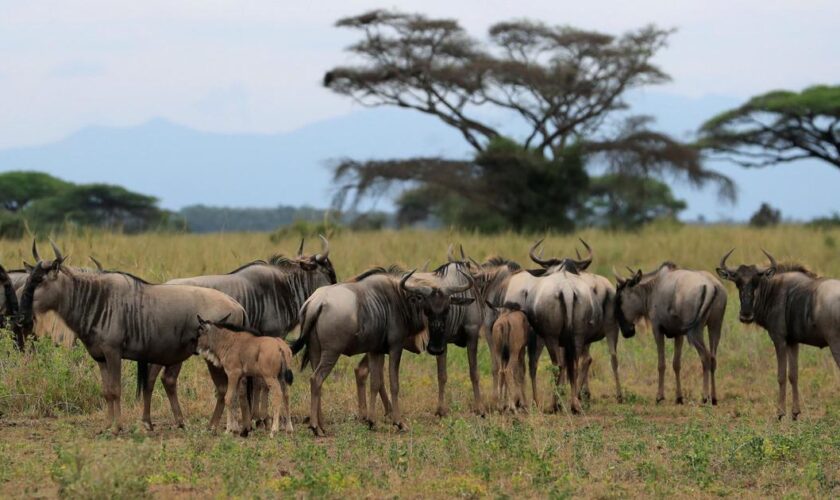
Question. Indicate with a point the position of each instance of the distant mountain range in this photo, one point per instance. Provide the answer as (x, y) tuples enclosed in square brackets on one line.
[(184, 166)]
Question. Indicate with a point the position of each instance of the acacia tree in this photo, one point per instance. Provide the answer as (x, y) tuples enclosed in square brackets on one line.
[(778, 127), (565, 84)]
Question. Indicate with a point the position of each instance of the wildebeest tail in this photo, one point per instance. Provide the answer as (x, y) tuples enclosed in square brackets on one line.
[(505, 327), (285, 366), (307, 324), (702, 310), (142, 377), (569, 355)]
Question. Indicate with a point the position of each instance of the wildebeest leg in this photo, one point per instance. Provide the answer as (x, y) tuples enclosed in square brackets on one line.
[(793, 376), (835, 351), (585, 363), (231, 400), (472, 357), (714, 339), (535, 348), (394, 375), (324, 367), (154, 370), (361, 371), (781, 376), (660, 351), (279, 390), (113, 362), (106, 392), (376, 363), (678, 346), (220, 382), (442, 407), (555, 352), (259, 402), (170, 384), (612, 344), (696, 338), (520, 380), (287, 407)]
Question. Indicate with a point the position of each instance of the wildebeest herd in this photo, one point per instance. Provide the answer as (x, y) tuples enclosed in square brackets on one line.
[(237, 323)]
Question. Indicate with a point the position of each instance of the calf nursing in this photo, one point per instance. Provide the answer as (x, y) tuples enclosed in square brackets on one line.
[(244, 353), (508, 341)]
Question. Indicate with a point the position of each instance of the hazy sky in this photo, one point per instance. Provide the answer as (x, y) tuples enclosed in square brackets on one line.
[(256, 66)]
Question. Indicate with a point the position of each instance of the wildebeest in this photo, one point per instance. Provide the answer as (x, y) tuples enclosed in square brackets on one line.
[(795, 306), (604, 293), (678, 303), (9, 305), (508, 340), (272, 293), (119, 316), (243, 352), (374, 313)]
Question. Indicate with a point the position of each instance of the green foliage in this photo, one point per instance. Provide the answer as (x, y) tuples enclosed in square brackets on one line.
[(205, 219), (626, 202), (306, 229), (18, 189), (12, 225), (778, 127), (828, 222), (766, 216), (79, 475)]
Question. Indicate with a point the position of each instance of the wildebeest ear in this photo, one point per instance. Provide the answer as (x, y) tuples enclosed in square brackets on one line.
[(28, 267), (461, 301), (769, 272), (724, 273)]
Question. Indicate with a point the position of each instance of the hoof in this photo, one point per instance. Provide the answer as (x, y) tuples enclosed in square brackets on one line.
[(181, 425), (260, 424), (442, 412), (370, 423), (619, 399), (401, 427), (272, 434), (317, 431), (705, 401), (660, 399), (148, 426), (681, 400), (795, 416), (780, 416), (244, 433), (714, 401)]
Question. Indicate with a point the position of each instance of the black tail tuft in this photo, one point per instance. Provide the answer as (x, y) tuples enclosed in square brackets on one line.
[(505, 353), (142, 377), (288, 376), (249, 391)]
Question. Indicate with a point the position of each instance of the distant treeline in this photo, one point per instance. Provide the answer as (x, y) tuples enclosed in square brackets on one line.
[(205, 219)]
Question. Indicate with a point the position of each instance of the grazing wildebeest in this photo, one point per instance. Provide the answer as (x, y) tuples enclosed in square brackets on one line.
[(272, 293), (678, 303), (795, 306), (604, 292), (243, 352), (508, 340), (119, 316), (374, 314)]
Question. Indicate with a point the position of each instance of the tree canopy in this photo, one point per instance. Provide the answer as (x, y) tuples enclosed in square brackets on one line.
[(566, 85), (778, 127)]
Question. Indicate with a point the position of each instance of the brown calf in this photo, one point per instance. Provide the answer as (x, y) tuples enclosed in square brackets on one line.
[(508, 340), (241, 352)]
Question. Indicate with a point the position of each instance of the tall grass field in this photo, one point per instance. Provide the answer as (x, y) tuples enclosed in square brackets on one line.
[(52, 413)]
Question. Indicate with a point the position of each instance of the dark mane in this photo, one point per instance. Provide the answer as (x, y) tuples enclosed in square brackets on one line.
[(793, 267), (512, 306), (392, 270), (277, 260), (245, 266), (95, 272), (668, 264), (236, 328), (501, 261)]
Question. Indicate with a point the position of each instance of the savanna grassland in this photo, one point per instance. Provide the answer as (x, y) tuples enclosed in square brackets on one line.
[(51, 412)]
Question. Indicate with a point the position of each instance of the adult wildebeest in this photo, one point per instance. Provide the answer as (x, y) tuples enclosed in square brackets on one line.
[(604, 294), (795, 306), (678, 303), (508, 340), (119, 316), (374, 314), (9, 305), (272, 293), (240, 352)]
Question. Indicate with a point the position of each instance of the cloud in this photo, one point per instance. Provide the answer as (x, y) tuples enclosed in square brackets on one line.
[(78, 69)]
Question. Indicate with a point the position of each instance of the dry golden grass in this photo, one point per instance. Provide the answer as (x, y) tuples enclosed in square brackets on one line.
[(52, 412)]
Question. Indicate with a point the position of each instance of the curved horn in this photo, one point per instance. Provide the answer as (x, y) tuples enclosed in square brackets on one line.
[(450, 290), (35, 251), (425, 266), (463, 256), (4, 278), (584, 263), (97, 264), (722, 264), (422, 290), (773, 263), (56, 251), (449, 255), (300, 248), (618, 278), (535, 258), (325, 249)]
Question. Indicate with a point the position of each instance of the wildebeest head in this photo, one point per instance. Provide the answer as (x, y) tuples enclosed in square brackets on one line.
[(629, 304), (567, 264), (435, 302), (43, 288), (747, 278), (318, 264)]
